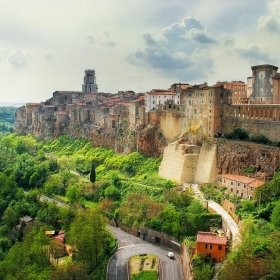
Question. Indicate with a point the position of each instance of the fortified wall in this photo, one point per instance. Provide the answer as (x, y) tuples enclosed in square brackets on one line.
[(189, 163), (179, 162), (262, 119)]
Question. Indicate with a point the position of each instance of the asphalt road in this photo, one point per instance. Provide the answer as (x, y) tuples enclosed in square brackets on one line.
[(130, 246)]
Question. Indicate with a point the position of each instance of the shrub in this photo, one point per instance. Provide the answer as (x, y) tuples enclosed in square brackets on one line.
[(238, 133)]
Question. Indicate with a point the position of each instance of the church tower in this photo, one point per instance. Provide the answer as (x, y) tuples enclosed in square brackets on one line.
[(90, 82)]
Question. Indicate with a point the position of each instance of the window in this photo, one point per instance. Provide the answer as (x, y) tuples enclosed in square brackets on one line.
[(238, 184), (190, 102), (220, 247), (210, 101), (164, 96), (231, 183), (208, 246), (153, 102), (178, 102), (231, 189), (195, 111), (244, 186), (237, 191)]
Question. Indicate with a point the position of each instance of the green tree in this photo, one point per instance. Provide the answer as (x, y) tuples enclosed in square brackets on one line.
[(275, 215), (92, 173), (86, 235), (112, 193)]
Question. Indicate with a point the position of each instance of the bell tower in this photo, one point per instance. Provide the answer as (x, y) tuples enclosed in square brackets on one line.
[(89, 84)]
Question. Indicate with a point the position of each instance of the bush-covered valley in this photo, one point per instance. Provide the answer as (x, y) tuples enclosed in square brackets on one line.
[(91, 182)]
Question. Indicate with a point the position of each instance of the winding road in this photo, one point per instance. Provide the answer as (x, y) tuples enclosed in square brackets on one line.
[(129, 246)]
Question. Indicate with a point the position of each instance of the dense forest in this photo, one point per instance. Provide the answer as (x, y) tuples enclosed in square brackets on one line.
[(90, 183), (7, 116)]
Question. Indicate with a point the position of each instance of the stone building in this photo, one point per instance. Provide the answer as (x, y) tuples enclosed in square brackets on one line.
[(157, 97), (238, 91), (262, 83), (89, 85), (204, 108), (239, 185)]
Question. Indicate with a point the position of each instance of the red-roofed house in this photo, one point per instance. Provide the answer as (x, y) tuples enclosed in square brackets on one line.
[(239, 185), (212, 245)]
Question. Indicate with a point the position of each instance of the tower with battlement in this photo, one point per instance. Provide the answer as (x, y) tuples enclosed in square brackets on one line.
[(262, 83), (90, 85)]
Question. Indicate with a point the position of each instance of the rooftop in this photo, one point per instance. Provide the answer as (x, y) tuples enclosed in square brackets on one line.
[(210, 238)]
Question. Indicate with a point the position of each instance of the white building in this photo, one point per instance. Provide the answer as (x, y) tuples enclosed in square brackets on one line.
[(158, 97)]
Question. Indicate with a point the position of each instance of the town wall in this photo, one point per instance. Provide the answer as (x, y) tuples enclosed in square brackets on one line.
[(206, 171), (261, 126), (179, 162)]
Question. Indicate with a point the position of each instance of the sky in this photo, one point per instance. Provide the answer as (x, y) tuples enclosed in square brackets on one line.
[(46, 45)]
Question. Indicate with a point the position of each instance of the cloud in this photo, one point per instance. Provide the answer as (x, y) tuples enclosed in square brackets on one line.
[(149, 39), (19, 58), (160, 58), (269, 23), (253, 53), (90, 39), (179, 31), (48, 57), (176, 51), (201, 37), (110, 44)]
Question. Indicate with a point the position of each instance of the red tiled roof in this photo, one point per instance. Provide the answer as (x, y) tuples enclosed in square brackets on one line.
[(241, 179), (210, 238), (256, 183), (276, 77)]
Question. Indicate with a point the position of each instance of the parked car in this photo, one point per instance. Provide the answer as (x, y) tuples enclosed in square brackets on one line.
[(170, 255)]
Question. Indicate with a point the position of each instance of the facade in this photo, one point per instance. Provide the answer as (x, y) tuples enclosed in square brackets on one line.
[(89, 85), (158, 97), (239, 185), (262, 84), (276, 88), (204, 108), (212, 245), (238, 90)]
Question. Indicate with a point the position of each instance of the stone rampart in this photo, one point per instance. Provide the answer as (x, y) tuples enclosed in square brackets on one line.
[(260, 121), (206, 171), (179, 162)]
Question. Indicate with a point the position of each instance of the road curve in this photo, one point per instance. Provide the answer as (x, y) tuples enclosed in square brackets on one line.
[(130, 246), (220, 210)]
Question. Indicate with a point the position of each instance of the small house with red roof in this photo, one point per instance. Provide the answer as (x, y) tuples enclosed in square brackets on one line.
[(240, 185), (212, 245)]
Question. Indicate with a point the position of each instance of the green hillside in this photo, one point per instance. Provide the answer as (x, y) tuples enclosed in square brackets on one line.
[(7, 117)]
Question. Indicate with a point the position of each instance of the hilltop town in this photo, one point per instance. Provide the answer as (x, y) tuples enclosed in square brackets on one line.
[(189, 120)]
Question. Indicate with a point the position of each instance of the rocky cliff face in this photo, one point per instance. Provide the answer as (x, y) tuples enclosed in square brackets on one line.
[(234, 156)]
